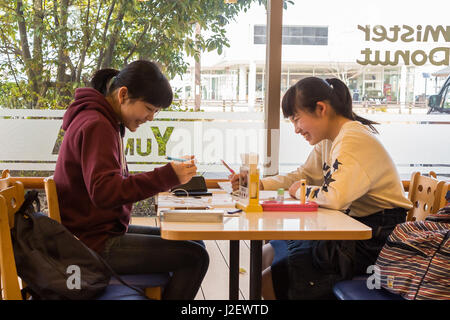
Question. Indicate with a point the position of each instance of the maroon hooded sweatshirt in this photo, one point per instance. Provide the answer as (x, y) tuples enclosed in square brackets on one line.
[(95, 198)]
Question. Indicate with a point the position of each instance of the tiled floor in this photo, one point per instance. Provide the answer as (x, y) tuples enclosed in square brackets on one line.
[(215, 283)]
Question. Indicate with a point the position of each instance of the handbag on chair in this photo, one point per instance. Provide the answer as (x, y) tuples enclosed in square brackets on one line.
[(415, 261)]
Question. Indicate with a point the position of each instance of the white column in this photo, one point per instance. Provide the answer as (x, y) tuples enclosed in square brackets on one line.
[(403, 81), (251, 86), (192, 83), (242, 83)]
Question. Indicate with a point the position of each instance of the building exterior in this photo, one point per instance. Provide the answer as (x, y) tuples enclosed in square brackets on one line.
[(386, 51)]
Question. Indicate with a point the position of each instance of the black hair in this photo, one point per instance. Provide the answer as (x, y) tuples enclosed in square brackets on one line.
[(144, 81), (308, 91)]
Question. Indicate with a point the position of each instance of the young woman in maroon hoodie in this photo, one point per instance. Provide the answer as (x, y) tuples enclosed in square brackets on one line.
[(96, 192)]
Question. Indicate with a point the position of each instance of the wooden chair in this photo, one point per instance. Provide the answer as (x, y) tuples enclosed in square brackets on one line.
[(47, 184), (152, 284), (11, 198), (427, 194)]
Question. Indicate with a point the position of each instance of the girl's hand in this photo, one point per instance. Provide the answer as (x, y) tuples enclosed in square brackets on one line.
[(234, 178), (293, 188), (185, 170)]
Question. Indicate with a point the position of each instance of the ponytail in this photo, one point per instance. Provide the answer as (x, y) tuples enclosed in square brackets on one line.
[(101, 81), (343, 105), (366, 122)]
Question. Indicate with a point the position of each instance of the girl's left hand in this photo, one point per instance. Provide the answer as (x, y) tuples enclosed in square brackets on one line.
[(293, 188)]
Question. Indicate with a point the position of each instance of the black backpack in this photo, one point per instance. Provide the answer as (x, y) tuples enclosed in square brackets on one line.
[(53, 263)]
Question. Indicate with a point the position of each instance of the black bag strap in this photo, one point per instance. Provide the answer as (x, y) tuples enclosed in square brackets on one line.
[(28, 292), (31, 199), (30, 205)]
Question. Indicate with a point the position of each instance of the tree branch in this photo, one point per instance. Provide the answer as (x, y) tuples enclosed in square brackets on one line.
[(114, 36), (88, 40), (146, 28), (10, 63), (108, 19), (38, 20), (26, 54)]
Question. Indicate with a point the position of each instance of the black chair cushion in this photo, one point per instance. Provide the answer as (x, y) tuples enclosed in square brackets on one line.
[(120, 292), (357, 290)]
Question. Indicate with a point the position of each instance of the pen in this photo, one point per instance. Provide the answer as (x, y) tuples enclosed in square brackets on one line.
[(228, 167), (176, 159)]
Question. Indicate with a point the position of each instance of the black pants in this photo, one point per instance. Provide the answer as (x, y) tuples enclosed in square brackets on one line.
[(382, 224), (142, 250)]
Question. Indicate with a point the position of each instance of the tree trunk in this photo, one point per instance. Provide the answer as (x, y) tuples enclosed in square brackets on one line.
[(105, 31), (38, 63), (197, 74), (25, 50), (63, 42), (85, 42)]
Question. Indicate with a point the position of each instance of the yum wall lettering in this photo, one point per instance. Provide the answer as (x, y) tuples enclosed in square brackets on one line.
[(143, 146)]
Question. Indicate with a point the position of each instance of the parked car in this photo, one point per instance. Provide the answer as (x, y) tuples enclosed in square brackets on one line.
[(440, 102), (374, 96)]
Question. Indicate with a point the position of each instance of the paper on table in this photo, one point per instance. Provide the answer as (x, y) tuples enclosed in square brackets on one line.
[(170, 201), (219, 200), (222, 200), (226, 185)]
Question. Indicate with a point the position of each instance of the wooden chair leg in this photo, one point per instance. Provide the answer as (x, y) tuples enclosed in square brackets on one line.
[(154, 293)]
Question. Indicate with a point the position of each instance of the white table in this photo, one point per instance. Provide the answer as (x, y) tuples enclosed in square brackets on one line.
[(324, 224)]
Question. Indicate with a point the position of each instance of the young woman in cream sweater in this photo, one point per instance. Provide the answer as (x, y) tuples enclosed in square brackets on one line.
[(348, 170)]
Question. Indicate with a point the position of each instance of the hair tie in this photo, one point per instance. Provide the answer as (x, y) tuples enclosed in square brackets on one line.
[(110, 82), (328, 84)]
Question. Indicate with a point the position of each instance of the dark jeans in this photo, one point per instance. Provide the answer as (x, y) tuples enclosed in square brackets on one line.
[(142, 250)]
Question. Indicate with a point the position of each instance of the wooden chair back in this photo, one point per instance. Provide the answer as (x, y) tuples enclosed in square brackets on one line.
[(47, 184), (4, 179), (427, 195), (52, 199), (11, 198)]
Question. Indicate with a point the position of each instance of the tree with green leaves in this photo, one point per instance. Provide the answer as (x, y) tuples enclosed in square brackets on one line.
[(50, 47)]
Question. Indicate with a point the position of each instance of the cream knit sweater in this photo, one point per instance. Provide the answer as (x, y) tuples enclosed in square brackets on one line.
[(352, 172)]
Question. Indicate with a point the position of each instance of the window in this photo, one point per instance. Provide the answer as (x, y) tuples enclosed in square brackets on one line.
[(295, 35)]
